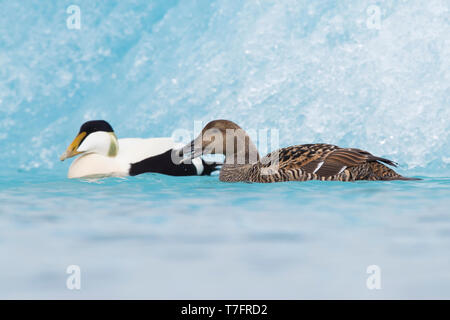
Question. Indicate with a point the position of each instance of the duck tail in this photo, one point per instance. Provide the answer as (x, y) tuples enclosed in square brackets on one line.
[(387, 161), (382, 172)]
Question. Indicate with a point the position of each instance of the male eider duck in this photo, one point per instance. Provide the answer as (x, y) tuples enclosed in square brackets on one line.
[(296, 163), (101, 154)]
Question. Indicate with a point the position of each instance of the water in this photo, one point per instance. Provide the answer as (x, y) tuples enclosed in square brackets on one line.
[(156, 236), (314, 71)]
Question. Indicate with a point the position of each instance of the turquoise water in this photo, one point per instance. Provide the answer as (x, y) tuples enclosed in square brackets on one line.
[(155, 236), (314, 71)]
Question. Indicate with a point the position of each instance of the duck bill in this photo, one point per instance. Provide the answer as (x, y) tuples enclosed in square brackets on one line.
[(72, 150)]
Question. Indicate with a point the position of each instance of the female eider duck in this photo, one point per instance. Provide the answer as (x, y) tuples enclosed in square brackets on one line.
[(295, 163), (101, 154)]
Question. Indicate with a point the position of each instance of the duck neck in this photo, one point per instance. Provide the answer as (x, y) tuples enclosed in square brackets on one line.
[(113, 146), (241, 164), (244, 152)]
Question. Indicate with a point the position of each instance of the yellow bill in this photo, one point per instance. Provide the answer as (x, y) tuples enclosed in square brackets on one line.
[(72, 149)]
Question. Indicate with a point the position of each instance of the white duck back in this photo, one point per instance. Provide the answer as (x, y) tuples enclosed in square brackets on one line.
[(131, 150)]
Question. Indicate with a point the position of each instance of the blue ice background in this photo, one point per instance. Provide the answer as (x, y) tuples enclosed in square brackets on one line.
[(312, 69)]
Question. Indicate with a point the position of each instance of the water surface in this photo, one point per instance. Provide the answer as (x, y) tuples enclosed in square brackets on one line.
[(155, 236)]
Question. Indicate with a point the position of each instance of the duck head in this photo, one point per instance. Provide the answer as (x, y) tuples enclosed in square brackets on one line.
[(96, 136), (222, 137)]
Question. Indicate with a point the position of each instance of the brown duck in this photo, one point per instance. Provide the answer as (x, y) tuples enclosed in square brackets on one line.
[(320, 161)]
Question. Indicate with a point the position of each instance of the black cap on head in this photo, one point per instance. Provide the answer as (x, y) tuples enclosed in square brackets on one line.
[(96, 125)]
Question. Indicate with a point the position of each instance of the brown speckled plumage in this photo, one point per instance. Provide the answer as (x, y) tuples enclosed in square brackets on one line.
[(313, 162), (324, 162)]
